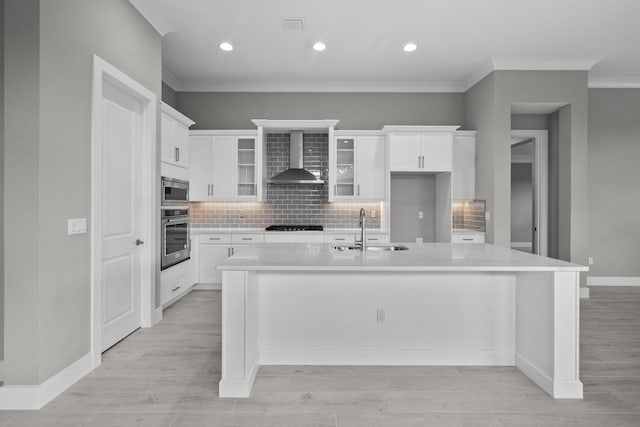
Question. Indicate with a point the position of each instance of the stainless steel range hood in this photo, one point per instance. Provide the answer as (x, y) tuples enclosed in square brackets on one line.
[(296, 174)]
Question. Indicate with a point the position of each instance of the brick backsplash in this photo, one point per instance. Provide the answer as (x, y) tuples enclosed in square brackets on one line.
[(287, 203), (469, 215)]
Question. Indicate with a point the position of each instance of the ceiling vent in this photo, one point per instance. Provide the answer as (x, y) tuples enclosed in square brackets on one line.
[(293, 24)]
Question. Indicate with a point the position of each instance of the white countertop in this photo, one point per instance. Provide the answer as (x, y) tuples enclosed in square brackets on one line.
[(211, 230), (420, 257)]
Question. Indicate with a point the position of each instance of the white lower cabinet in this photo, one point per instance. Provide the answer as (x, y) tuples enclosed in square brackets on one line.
[(175, 282), (347, 239), (215, 248), (467, 238), (294, 237)]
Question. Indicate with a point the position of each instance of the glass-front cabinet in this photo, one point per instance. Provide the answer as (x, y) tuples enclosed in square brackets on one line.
[(357, 166), (345, 167), (224, 165), (246, 167)]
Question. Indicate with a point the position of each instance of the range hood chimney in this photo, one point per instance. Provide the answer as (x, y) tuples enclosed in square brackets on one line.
[(296, 174)]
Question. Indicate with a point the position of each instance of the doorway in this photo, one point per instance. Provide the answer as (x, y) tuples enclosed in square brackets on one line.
[(529, 191), (123, 197)]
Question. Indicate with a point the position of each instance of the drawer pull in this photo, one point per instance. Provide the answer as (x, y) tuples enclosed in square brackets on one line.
[(247, 238), (340, 239), (175, 289), (467, 239), (214, 238), (373, 239)]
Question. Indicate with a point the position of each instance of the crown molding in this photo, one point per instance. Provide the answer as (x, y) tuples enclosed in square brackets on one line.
[(604, 82), (151, 12), (170, 80), (498, 63), (314, 86)]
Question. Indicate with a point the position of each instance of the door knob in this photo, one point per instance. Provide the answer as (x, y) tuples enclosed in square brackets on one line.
[(139, 242)]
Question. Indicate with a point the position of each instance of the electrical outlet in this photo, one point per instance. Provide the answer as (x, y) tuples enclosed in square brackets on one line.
[(373, 213), (380, 315), (590, 260), (487, 216), (420, 215)]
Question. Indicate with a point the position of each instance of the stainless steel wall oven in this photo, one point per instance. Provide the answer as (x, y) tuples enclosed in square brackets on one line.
[(176, 244)]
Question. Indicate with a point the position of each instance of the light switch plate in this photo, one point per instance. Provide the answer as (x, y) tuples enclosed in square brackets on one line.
[(76, 226)]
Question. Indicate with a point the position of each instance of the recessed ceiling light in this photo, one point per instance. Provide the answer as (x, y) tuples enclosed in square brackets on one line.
[(227, 47), (319, 47), (410, 47)]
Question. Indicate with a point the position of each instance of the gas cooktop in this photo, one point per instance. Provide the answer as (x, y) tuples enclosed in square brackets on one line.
[(288, 227)]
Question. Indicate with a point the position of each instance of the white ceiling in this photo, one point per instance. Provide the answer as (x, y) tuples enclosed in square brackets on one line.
[(459, 42)]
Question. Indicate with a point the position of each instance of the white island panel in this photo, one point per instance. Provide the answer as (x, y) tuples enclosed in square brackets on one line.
[(435, 319), (444, 304)]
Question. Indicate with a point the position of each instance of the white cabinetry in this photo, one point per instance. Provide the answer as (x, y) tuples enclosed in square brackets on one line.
[(420, 148), (357, 166), (464, 165), (467, 237), (224, 165), (175, 282), (174, 142), (213, 248)]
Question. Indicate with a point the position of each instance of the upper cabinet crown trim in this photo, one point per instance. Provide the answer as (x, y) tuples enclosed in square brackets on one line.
[(224, 132), (345, 132), (393, 128), (296, 124), (175, 114)]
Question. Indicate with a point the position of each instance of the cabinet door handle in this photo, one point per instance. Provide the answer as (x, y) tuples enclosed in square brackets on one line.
[(358, 189), (335, 190), (419, 162), (176, 154), (212, 192), (175, 289)]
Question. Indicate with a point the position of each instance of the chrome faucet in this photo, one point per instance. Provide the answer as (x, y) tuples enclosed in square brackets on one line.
[(363, 232)]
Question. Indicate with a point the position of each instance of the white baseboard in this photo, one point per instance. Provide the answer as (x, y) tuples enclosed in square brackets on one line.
[(207, 287), (386, 357), (240, 387), (23, 397), (584, 293), (561, 389), (613, 281)]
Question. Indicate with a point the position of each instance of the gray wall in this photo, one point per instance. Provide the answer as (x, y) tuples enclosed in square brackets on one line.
[(354, 110), (2, 324), (48, 172), (411, 193), (521, 202), (614, 175), (488, 109), (169, 95)]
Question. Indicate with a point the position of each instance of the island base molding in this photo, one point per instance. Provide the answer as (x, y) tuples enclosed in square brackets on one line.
[(523, 319)]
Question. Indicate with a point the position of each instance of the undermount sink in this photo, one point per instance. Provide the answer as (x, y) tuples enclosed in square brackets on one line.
[(343, 248)]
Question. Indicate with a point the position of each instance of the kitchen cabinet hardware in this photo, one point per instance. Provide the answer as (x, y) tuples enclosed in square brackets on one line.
[(214, 238), (247, 238), (176, 154)]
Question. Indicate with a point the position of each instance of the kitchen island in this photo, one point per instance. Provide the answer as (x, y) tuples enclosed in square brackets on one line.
[(433, 304)]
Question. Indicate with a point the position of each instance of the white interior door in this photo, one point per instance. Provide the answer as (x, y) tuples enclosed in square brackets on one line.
[(121, 214)]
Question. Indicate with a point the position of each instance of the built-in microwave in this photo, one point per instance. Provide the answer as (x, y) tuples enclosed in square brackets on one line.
[(176, 244), (174, 191)]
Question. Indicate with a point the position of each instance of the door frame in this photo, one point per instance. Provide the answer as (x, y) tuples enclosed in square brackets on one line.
[(540, 184), (105, 72)]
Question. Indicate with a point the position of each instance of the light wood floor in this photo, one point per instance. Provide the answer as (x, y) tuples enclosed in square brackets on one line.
[(167, 376)]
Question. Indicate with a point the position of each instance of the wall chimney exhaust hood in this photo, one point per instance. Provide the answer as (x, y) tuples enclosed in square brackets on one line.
[(296, 174)]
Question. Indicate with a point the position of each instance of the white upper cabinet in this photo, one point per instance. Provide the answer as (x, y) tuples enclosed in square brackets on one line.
[(224, 166), (174, 137), (464, 165), (357, 167), (420, 148)]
